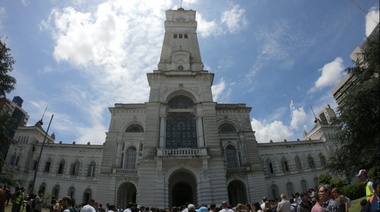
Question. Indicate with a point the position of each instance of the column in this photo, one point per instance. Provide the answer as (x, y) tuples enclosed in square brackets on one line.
[(201, 142), (162, 131)]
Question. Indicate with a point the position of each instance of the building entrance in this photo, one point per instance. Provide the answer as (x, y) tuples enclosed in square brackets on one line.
[(126, 193), (182, 188)]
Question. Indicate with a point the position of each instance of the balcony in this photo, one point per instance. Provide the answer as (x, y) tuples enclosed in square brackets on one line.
[(232, 170), (124, 171), (182, 152)]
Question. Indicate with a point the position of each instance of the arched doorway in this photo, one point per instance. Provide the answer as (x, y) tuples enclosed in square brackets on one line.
[(126, 193), (182, 193), (237, 192), (182, 188)]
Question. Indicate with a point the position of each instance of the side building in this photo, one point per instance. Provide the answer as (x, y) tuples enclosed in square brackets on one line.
[(178, 147)]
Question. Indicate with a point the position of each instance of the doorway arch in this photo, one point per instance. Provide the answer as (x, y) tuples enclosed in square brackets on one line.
[(182, 188), (126, 193), (237, 192)]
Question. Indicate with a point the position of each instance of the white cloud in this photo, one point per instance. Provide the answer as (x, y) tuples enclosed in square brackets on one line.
[(109, 49), (298, 116), (331, 73), (220, 92), (371, 20), (275, 131), (207, 28), (234, 19)]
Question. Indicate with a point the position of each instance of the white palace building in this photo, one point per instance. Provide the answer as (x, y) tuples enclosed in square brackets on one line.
[(178, 147)]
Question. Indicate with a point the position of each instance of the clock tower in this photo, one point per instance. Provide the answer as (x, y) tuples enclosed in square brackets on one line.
[(180, 50)]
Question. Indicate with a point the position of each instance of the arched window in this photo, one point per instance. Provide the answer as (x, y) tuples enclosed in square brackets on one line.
[(231, 157), (185, 36), (298, 163), (71, 192), (55, 191), (131, 158), (180, 35), (269, 166), (311, 162), (181, 128), (47, 166), (61, 167), (274, 192), (304, 185), (226, 128), (316, 181), (180, 68), (175, 36), (289, 188), (322, 159), (87, 195), (91, 169), (284, 165), (181, 102), (135, 128), (74, 170), (42, 187)]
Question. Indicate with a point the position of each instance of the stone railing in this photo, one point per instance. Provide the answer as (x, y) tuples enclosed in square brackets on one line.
[(124, 171), (181, 152)]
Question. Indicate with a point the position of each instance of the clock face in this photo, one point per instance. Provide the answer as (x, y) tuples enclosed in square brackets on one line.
[(181, 19)]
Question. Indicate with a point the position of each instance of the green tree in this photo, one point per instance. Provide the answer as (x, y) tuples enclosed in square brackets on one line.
[(7, 84), (358, 114)]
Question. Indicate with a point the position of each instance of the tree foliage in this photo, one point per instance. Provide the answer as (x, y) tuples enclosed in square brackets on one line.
[(358, 115), (7, 84)]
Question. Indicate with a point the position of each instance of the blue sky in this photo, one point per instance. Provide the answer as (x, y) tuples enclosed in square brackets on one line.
[(77, 57)]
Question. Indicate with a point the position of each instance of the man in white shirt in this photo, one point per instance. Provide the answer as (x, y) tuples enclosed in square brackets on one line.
[(284, 205)]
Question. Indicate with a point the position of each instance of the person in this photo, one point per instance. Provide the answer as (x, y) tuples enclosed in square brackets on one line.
[(293, 205), (18, 198), (284, 205), (373, 204), (67, 204), (263, 203), (38, 201), (30, 198), (112, 208), (225, 207), (363, 203), (212, 207), (324, 193), (191, 208), (317, 207), (89, 207), (101, 209), (341, 200), (3, 199), (267, 206), (256, 207), (367, 182), (305, 204)]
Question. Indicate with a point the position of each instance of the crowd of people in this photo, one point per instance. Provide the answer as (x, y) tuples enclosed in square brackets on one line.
[(321, 199)]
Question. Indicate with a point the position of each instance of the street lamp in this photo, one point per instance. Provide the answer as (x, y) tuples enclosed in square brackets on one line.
[(39, 157)]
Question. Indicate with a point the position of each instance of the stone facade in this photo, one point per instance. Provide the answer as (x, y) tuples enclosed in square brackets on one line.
[(178, 147)]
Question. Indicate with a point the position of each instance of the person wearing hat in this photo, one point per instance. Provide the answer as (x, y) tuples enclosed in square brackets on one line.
[(367, 182), (191, 208)]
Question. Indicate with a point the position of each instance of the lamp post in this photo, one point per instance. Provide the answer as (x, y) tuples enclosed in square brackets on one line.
[(39, 157)]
